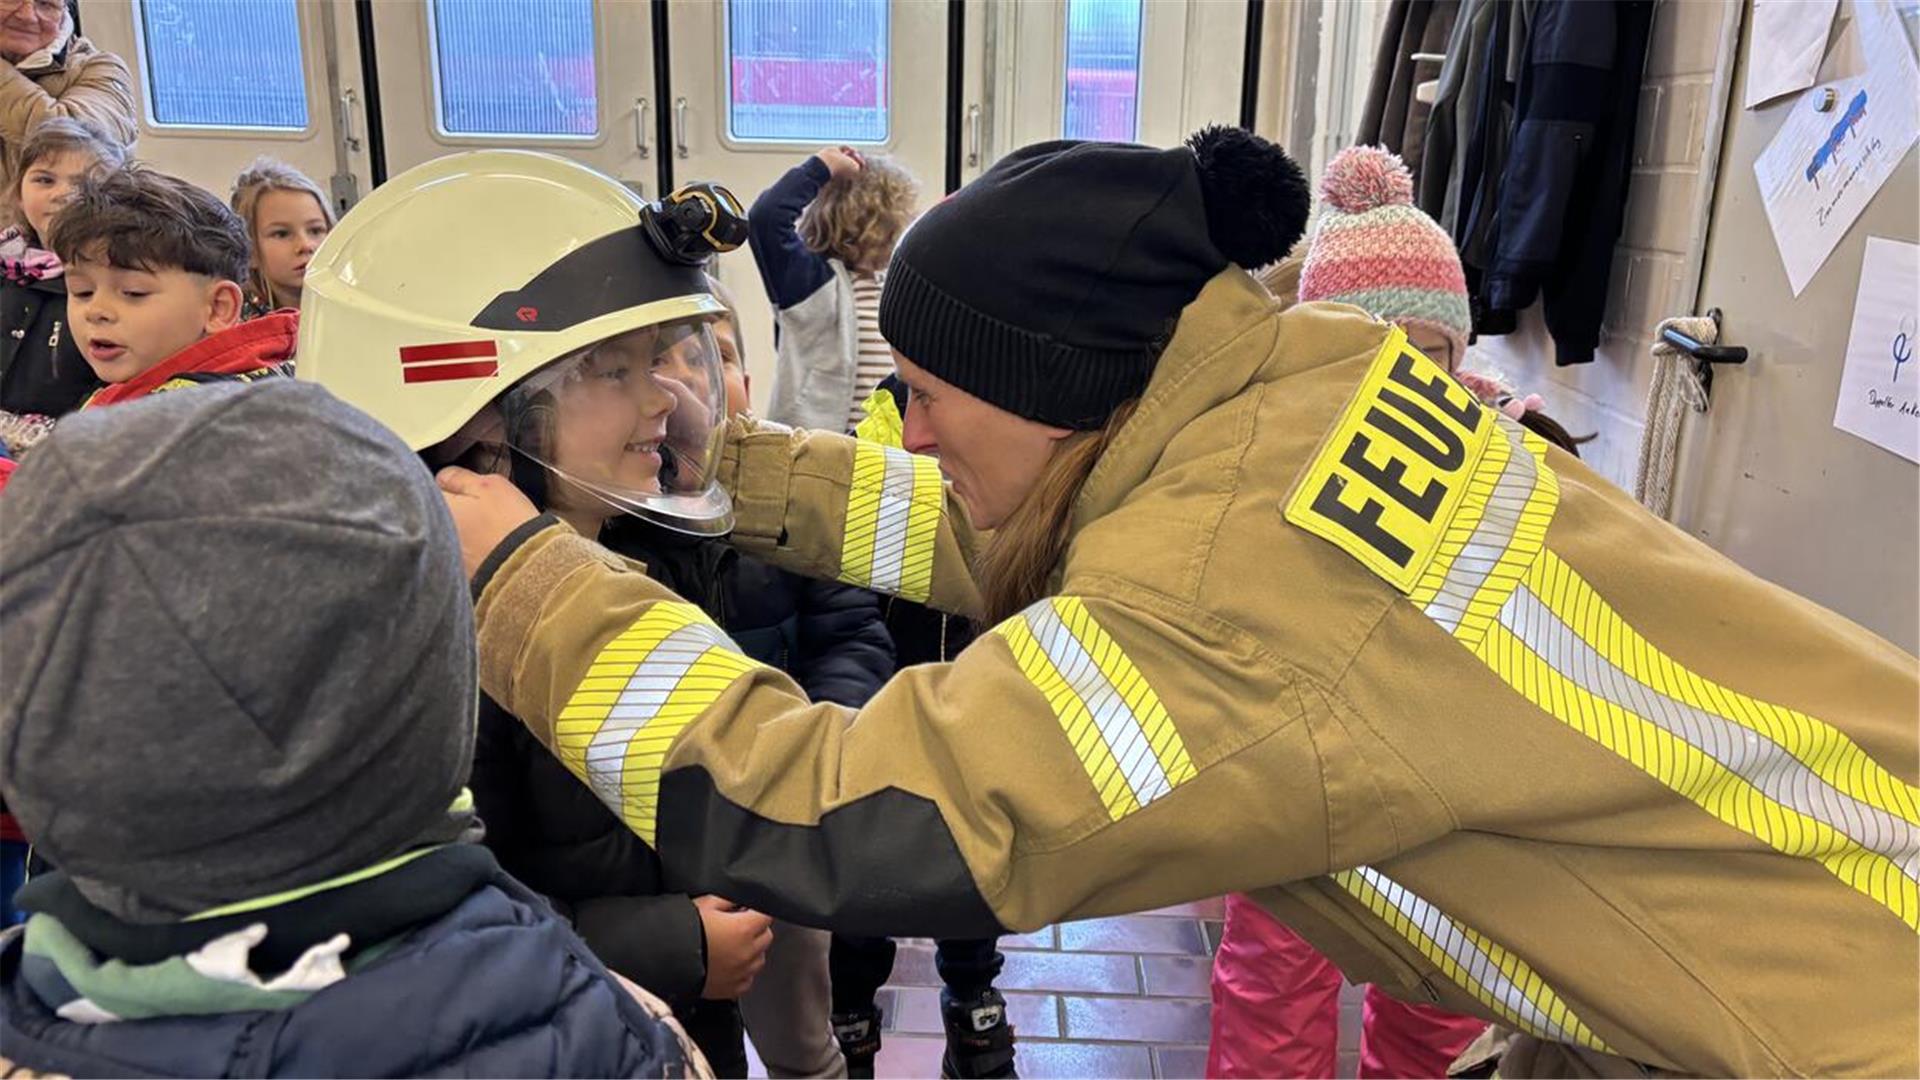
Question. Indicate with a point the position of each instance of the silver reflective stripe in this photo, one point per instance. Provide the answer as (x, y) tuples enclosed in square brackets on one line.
[(1490, 537), (890, 531), (1122, 731), (1765, 764), (647, 689), (1473, 960)]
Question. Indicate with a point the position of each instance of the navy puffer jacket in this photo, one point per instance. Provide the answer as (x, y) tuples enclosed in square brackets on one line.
[(497, 987)]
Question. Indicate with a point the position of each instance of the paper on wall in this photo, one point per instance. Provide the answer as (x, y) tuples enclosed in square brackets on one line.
[(1823, 168), (1880, 385), (1789, 38)]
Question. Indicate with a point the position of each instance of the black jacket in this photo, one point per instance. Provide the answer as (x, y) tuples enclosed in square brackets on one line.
[(41, 369), (550, 830), (1563, 193), (922, 635)]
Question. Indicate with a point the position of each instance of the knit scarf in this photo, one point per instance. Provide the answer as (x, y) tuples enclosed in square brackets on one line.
[(21, 263)]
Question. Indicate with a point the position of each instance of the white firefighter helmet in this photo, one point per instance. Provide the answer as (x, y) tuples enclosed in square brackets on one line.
[(530, 305)]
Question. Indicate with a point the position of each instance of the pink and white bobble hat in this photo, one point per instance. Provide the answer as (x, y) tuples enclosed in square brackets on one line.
[(1375, 250)]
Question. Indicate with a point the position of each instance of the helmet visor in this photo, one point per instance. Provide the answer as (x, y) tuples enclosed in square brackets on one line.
[(634, 423)]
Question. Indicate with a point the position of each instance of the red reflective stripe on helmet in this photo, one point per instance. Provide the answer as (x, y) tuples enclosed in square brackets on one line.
[(443, 372), (449, 350)]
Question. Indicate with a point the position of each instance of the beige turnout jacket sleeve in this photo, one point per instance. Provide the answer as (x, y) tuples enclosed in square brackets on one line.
[(1038, 777), (833, 507)]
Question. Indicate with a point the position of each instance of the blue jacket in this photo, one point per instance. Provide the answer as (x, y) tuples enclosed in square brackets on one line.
[(497, 986), (815, 329)]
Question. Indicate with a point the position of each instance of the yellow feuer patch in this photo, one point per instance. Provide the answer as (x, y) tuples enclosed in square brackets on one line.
[(1396, 467)]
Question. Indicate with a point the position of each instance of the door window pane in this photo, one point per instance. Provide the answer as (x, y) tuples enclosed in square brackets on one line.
[(224, 63), (515, 67), (1103, 70), (807, 70)]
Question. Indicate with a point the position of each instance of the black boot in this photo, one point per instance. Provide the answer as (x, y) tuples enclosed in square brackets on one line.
[(979, 1039), (859, 1036)]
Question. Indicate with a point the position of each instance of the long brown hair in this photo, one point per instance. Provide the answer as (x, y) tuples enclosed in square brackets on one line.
[(264, 175), (1016, 567)]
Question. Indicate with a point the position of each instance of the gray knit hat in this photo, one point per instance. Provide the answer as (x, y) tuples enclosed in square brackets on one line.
[(238, 648)]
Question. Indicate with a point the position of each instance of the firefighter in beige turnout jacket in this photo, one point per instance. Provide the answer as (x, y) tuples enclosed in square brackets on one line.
[(1325, 630)]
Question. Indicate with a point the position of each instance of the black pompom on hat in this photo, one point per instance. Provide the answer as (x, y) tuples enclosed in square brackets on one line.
[(1049, 286)]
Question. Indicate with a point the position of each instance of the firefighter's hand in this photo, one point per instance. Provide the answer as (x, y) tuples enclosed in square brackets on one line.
[(485, 509)]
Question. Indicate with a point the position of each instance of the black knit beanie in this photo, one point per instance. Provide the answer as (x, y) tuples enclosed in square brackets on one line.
[(1049, 286)]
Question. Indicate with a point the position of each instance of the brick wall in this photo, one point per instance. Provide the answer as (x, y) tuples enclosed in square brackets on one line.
[(1652, 274)]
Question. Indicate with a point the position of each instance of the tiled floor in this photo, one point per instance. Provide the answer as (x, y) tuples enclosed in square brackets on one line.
[(1119, 997)]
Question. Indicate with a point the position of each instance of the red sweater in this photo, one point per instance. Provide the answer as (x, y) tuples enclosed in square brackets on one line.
[(247, 350)]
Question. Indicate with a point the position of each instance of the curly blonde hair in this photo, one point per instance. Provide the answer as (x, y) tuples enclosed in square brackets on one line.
[(264, 175), (857, 219)]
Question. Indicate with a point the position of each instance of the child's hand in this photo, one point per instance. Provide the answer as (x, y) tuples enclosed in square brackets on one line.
[(737, 941), (841, 161)]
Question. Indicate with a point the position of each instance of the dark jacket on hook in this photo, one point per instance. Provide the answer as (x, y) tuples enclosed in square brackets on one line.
[(1563, 193)]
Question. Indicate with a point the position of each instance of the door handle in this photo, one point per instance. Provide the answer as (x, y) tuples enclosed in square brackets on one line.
[(973, 136), (349, 101), (680, 127), (1704, 354), (640, 111)]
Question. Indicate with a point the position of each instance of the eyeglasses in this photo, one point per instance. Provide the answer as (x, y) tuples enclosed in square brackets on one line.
[(45, 9)]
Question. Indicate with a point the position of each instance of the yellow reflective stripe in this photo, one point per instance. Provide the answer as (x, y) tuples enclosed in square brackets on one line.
[(1494, 976), (640, 692), (1834, 758), (863, 512), (1472, 508), (1501, 529), (1108, 711), (1131, 686), (1074, 719), (1525, 546), (923, 528), (1791, 781), (1557, 643), (894, 502), (1509, 536), (882, 423), (646, 753)]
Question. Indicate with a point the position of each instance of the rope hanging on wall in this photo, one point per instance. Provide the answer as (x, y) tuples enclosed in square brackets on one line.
[(1676, 390)]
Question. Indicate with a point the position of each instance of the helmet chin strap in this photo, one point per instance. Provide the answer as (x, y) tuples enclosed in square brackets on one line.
[(530, 477), (669, 468)]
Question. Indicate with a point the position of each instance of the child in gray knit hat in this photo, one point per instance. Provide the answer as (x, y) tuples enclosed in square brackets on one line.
[(239, 719)]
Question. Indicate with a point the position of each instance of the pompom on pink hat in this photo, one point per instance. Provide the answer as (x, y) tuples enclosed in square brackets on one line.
[(1377, 251)]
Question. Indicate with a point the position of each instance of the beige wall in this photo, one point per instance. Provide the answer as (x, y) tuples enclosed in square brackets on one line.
[(1656, 264)]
